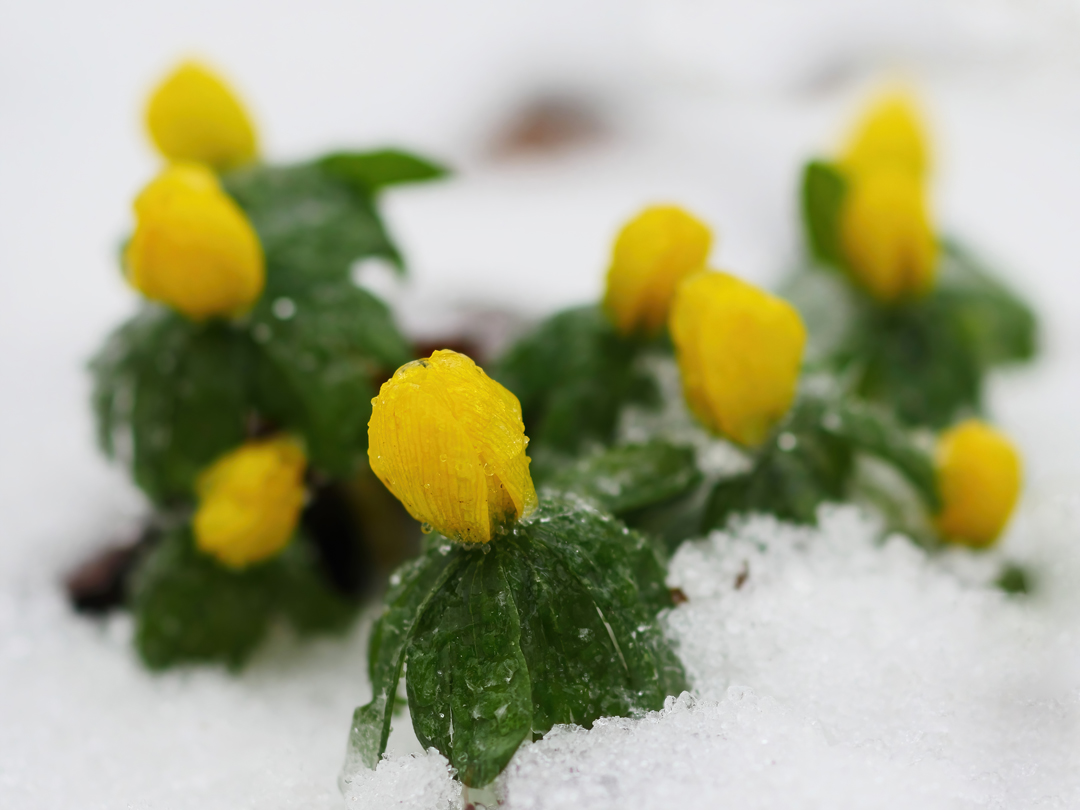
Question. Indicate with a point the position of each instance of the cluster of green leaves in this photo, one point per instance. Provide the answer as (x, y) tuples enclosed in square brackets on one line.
[(573, 375), (554, 622), (189, 608), (926, 359), (810, 459), (171, 395)]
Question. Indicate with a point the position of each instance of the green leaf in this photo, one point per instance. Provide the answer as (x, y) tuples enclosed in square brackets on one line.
[(573, 375), (918, 360), (312, 224), (624, 575), (321, 355), (873, 431), (411, 587), (373, 171), (1014, 579), (554, 622), (823, 191), (469, 689), (171, 395), (800, 467), (1001, 327), (630, 477), (188, 608)]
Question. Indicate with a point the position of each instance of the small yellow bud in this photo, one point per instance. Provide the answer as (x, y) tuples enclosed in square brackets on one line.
[(653, 253), (449, 442), (193, 247), (739, 351), (194, 116), (249, 502), (890, 134), (979, 477), (886, 236)]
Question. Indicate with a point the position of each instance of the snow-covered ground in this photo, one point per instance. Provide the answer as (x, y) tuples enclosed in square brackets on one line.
[(841, 674)]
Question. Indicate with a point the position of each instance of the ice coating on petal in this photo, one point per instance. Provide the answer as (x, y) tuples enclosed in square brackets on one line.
[(886, 235), (194, 116), (193, 247), (739, 350), (652, 254), (891, 132), (979, 476), (250, 501), (449, 442)]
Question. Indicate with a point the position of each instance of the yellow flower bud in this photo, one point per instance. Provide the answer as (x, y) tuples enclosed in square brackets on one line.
[(739, 350), (449, 442), (886, 236), (193, 247), (249, 502), (194, 116), (653, 253), (890, 134), (979, 478)]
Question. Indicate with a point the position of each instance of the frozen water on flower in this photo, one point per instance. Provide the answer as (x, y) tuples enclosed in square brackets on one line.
[(421, 781)]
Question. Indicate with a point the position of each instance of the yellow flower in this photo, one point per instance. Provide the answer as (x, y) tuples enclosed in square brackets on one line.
[(886, 236), (449, 442), (193, 248), (890, 134), (249, 501), (979, 478), (653, 253), (739, 350), (194, 116)]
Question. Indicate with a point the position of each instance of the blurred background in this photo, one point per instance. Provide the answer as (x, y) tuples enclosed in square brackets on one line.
[(561, 119)]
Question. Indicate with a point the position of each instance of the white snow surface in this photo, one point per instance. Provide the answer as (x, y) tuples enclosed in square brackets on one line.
[(843, 673)]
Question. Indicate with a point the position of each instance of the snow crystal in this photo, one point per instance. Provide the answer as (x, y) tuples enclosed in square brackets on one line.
[(411, 782)]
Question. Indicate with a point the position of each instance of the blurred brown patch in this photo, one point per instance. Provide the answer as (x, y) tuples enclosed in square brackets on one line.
[(549, 124)]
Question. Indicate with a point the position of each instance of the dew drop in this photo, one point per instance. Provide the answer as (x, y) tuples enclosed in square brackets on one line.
[(427, 528), (284, 308), (787, 442)]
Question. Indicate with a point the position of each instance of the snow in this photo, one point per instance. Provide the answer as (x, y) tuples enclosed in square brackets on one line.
[(842, 673)]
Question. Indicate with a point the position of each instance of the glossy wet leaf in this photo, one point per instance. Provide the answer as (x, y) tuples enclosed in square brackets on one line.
[(313, 225), (373, 171), (629, 477), (573, 375), (411, 588), (320, 357), (470, 694), (170, 397), (551, 623)]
